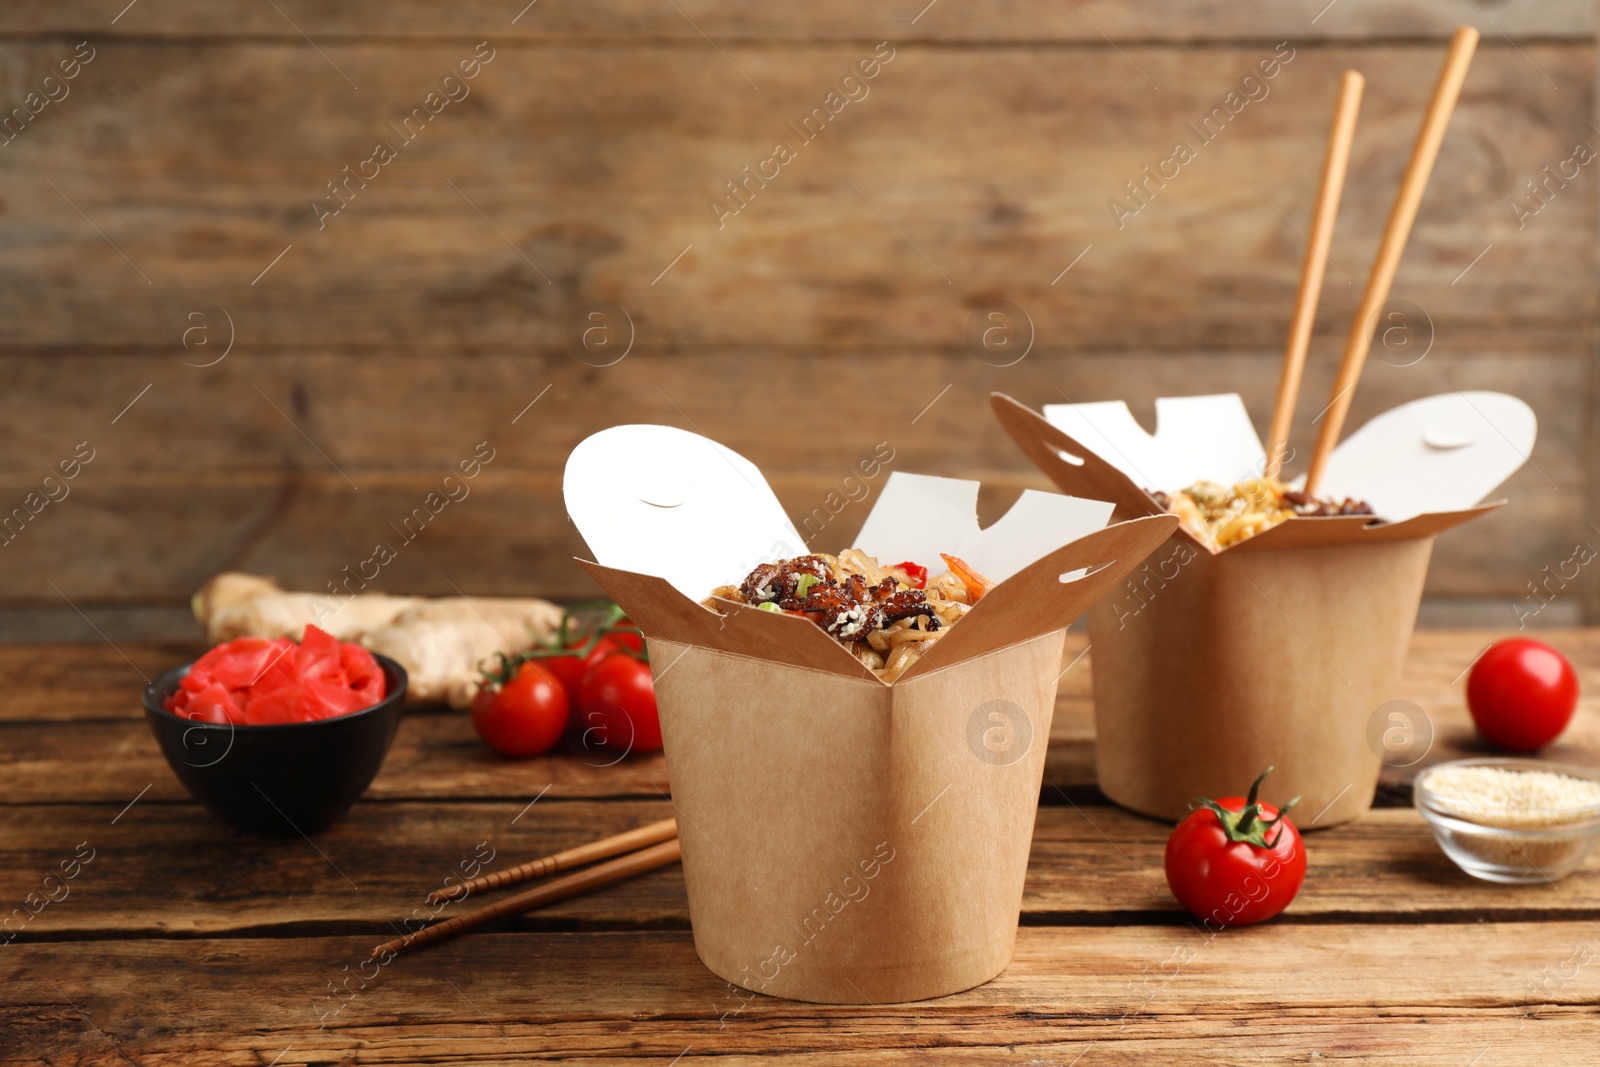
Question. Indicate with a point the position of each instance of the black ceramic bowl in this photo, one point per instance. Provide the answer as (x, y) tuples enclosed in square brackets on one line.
[(282, 780)]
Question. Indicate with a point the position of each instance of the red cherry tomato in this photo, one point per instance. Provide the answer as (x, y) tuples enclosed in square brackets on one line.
[(571, 669), (617, 704), (524, 717), (630, 639), (1522, 694), (1240, 867)]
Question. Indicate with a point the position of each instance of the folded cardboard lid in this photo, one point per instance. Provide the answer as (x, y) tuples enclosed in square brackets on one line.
[(1423, 466), (671, 515)]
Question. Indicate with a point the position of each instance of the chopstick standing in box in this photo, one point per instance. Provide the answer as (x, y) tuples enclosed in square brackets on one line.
[(658, 854), (1334, 166), (1392, 245)]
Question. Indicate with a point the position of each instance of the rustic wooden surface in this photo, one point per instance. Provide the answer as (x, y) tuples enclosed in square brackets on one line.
[(182, 939), (428, 314)]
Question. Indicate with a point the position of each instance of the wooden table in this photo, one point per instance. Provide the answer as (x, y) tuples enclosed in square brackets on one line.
[(181, 942)]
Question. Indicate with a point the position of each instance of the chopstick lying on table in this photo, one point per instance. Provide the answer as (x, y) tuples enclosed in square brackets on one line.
[(605, 848), (603, 874)]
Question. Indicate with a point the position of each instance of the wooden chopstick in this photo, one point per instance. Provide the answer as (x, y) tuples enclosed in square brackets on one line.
[(605, 848), (1395, 234), (603, 874), (1335, 163)]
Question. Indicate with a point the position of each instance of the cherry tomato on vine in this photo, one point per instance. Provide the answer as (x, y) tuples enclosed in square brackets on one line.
[(627, 636), (1236, 861), (524, 717), (571, 669), (617, 706), (1522, 694)]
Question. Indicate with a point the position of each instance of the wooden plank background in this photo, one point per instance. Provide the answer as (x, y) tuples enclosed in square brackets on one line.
[(828, 315)]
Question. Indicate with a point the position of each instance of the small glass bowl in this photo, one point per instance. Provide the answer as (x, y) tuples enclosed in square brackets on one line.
[(1515, 855)]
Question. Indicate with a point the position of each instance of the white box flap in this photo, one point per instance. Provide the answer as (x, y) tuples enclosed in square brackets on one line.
[(1442, 453), (918, 516), (663, 501), (666, 502), (1196, 437)]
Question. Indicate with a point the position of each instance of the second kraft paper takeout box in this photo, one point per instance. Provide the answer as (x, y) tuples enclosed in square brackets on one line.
[(1282, 649), (844, 840)]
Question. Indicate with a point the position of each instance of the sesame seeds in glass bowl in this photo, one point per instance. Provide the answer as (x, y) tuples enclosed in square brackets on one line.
[(1517, 821)]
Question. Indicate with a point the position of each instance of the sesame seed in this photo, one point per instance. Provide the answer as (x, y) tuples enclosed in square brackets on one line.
[(1494, 796)]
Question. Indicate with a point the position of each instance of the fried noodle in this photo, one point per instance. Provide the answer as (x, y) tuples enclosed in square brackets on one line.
[(1221, 515), (885, 615)]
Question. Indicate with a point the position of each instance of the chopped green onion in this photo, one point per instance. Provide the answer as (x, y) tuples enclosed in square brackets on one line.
[(803, 584), (769, 606)]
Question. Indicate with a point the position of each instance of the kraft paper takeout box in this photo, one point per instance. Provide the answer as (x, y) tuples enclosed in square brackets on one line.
[(1276, 651), (844, 840)]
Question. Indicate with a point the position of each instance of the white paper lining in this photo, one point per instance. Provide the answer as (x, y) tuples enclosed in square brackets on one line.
[(663, 501), (1440, 454)]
